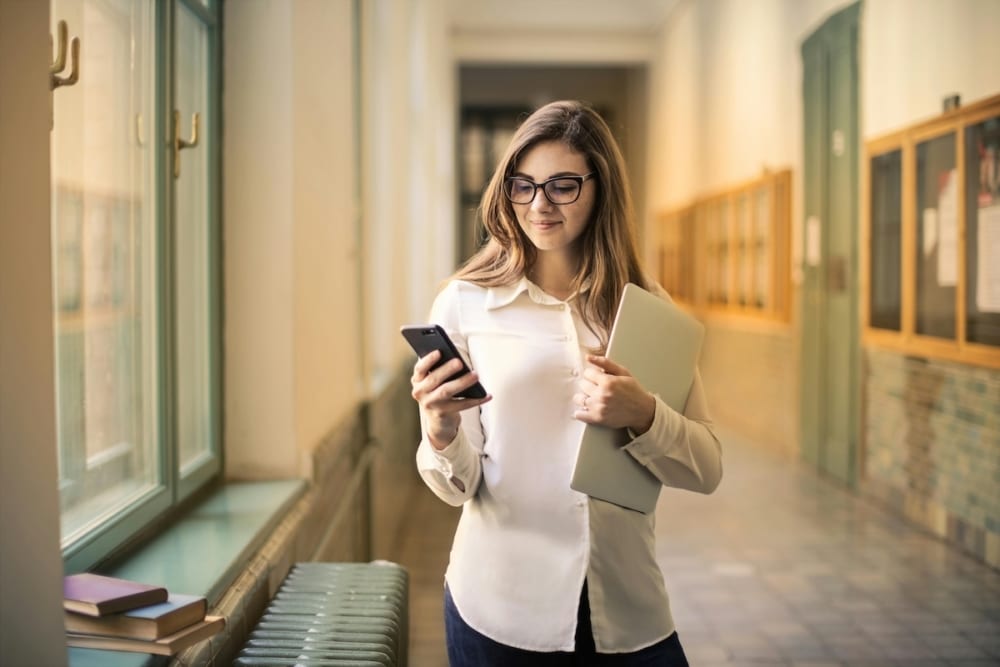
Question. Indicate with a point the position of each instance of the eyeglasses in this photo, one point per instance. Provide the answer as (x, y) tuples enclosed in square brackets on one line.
[(558, 190)]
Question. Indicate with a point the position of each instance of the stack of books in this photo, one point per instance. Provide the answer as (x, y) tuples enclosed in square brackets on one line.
[(120, 615)]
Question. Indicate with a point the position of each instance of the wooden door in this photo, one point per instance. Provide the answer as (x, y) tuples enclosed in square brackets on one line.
[(830, 382)]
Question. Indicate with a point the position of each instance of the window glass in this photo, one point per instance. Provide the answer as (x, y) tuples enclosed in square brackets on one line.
[(936, 251), (722, 235), (686, 258), (886, 226), (669, 270), (713, 242), (104, 203), (744, 237), (781, 241), (193, 249), (762, 245), (982, 257)]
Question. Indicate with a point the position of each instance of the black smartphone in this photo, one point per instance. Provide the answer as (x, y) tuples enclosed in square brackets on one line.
[(425, 338)]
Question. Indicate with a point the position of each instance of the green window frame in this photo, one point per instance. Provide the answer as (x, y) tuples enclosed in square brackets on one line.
[(135, 241)]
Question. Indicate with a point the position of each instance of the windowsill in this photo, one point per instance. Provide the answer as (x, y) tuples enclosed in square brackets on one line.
[(202, 553)]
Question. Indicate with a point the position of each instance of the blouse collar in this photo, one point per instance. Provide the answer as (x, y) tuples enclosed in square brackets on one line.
[(504, 295)]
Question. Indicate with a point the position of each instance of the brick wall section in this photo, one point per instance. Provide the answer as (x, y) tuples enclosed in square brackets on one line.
[(751, 380), (931, 447)]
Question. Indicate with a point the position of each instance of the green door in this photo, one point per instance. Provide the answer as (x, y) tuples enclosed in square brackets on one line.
[(830, 377)]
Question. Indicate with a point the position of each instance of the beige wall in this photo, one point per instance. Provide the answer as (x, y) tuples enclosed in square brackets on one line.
[(326, 258), (916, 52), (292, 248), (320, 273), (725, 96), (408, 156), (257, 240)]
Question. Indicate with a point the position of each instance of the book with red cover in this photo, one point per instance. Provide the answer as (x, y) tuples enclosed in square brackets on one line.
[(98, 595), (151, 622), (168, 645)]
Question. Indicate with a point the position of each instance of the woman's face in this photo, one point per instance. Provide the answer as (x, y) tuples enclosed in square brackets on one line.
[(554, 227)]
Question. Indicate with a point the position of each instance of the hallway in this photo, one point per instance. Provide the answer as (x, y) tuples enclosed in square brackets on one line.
[(778, 567)]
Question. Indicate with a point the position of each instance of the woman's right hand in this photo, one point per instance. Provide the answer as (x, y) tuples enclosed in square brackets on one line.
[(437, 397)]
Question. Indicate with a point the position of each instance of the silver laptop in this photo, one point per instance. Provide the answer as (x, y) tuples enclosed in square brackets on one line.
[(659, 344)]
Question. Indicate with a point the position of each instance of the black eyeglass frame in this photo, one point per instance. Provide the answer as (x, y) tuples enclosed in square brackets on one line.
[(580, 180)]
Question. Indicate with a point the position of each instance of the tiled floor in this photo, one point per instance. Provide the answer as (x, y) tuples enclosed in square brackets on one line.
[(424, 553), (778, 567)]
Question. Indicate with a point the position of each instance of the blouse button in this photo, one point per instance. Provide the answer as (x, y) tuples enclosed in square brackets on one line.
[(574, 372)]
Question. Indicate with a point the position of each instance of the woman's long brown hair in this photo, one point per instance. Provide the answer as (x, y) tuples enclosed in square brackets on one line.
[(609, 256)]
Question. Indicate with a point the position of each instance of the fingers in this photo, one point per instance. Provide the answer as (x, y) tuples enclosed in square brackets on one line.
[(424, 365), (445, 399), (449, 391), (434, 392), (588, 410), (607, 365), (429, 379)]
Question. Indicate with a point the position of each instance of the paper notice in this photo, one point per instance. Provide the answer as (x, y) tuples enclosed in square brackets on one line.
[(947, 233), (988, 261), (930, 225)]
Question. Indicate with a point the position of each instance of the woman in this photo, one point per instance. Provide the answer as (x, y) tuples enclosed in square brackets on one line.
[(539, 573)]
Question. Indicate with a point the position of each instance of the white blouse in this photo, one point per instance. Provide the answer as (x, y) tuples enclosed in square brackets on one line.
[(526, 540)]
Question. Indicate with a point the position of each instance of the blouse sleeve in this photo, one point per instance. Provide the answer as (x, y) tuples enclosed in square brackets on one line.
[(682, 450), (453, 473)]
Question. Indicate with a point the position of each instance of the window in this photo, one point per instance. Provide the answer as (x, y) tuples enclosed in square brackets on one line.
[(730, 252), (677, 254), (134, 235), (932, 220)]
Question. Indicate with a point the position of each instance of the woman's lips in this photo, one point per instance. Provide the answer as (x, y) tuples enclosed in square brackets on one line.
[(545, 225)]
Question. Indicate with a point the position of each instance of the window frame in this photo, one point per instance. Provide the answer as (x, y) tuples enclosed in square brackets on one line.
[(116, 533), (907, 340), (708, 245)]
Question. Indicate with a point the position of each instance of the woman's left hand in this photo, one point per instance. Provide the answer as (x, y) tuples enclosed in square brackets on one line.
[(610, 396)]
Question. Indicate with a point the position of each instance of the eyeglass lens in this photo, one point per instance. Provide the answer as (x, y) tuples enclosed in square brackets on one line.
[(557, 190)]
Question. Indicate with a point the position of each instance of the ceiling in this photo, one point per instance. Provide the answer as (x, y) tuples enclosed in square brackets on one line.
[(563, 15)]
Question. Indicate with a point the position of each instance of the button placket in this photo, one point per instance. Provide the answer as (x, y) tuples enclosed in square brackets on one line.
[(570, 323), (570, 327)]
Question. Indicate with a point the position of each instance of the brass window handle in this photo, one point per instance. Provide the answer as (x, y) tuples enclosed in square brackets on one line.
[(140, 132), (179, 143), (60, 62)]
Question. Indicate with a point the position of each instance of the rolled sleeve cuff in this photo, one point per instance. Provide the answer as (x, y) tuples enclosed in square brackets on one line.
[(659, 439), (445, 460), (455, 467)]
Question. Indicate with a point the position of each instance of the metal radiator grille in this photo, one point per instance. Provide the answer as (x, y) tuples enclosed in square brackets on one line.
[(343, 614)]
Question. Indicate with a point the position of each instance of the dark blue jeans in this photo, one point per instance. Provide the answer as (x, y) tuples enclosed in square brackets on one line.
[(468, 648)]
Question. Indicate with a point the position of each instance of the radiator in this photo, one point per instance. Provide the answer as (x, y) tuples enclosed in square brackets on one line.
[(343, 614)]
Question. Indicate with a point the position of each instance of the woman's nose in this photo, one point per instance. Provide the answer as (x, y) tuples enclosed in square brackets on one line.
[(540, 202)]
